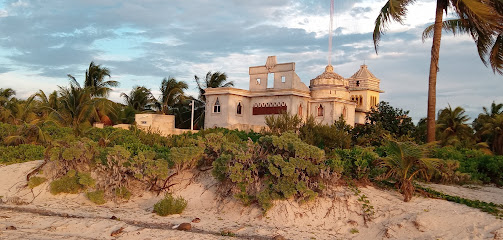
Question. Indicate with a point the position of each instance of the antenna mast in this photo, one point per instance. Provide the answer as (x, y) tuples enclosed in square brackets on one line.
[(330, 32)]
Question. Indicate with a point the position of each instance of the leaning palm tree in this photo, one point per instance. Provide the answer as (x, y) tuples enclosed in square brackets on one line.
[(172, 93), (453, 126), (404, 162), (139, 98), (481, 15), (212, 80)]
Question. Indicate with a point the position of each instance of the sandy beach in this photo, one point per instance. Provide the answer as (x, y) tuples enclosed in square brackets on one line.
[(38, 214)]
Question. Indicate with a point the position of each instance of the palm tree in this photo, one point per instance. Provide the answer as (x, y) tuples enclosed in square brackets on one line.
[(478, 14), (6, 98), (5, 95), (488, 127), (452, 126), (172, 93), (212, 80), (494, 129), (77, 108), (46, 104), (405, 161), (98, 88), (139, 98), (95, 79)]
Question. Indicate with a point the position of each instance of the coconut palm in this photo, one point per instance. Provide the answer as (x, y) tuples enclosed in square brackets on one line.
[(494, 129), (486, 127), (404, 162), (487, 114), (452, 126), (77, 108), (95, 79), (212, 80), (172, 93), (45, 104), (478, 14), (6, 97), (139, 98)]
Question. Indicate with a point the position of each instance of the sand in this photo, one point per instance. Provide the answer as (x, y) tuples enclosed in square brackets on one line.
[(39, 215)]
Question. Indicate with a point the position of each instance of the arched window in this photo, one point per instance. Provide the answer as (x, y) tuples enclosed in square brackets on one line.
[(361, 100), (357, 83), (299, 113), (320, 111), (216, 107), (344, 112), (239, 107)]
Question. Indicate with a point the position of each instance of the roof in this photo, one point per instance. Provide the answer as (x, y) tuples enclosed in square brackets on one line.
[(363, 73), (329, 74)]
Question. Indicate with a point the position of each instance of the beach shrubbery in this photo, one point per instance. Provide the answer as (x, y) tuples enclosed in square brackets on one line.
[(170, 205), (97, 197), (480, 166), (21, 153), (36, 181), (73, 182), (276, 167)]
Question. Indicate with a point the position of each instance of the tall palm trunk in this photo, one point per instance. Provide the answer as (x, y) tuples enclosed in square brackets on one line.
[(432, 82)]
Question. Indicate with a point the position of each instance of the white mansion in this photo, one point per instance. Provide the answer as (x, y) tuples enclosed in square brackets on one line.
[(328, 97)]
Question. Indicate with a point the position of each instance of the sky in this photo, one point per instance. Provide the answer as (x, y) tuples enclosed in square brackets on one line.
[(144, 41)]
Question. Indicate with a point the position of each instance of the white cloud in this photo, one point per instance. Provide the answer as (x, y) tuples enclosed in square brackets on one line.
[(3, 13)]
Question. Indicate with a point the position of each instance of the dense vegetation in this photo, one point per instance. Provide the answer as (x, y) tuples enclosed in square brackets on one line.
[(291, 159)]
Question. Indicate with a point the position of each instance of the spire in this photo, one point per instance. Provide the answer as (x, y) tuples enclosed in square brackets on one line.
[(330, 32)]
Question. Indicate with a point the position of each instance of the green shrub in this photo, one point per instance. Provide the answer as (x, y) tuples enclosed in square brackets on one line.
[(481, 167), (276, 167), (97, 197), (57, 132), (170, 205), (325, 136), (35, 181), (358, 163), (86, 180), (21, 153), (66, 184), (72, 182), (123, 193)]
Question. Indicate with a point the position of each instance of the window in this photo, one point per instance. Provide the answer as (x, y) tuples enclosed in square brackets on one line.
[(345, 112), (216, 107), (361, 100), (258, 81), (320, 111), (357, 83), (143, 122), (283, 79), (270, 80), (238, 109), (299, 113)]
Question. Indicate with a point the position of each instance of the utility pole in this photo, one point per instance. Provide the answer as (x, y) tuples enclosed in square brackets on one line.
[(192, 117)]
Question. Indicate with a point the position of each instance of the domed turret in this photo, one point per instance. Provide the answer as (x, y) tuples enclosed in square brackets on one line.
[(329, 77), (329, 85)]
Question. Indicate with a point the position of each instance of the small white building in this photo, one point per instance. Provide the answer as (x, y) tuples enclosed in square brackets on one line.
[(328, 97)]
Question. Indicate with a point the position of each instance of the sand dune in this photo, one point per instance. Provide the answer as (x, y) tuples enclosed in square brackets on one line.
[(338, 215)]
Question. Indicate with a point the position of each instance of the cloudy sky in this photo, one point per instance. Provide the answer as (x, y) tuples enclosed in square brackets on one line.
[(143, 41)]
